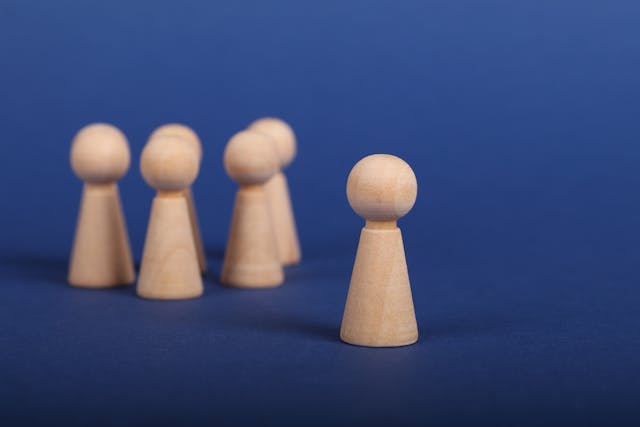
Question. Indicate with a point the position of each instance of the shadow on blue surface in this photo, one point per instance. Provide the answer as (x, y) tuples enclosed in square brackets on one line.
[(473, 325), (261, 319), (36, 267)]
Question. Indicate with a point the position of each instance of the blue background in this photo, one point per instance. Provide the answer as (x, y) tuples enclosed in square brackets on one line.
[(520, 119)]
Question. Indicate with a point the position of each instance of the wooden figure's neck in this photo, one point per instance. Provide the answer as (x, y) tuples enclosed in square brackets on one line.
[(170, 194), (381, 225), (109, 186), (252, 188)]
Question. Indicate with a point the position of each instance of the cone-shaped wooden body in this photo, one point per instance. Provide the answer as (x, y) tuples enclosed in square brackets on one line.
[(195, 227), (101, 254), (169, 268), (284, 224), (379, 310), (251, 258)]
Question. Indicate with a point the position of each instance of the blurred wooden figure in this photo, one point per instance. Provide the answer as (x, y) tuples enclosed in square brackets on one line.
[(101, 254), (251, 257), (189, 135), (169, 268), (379, 310), (277, 188)]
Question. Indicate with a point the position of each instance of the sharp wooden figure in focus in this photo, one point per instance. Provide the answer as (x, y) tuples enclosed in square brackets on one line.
[(277, 188), (379, 310), (101, 254), (251, 258), (170, 268), (191, 137)]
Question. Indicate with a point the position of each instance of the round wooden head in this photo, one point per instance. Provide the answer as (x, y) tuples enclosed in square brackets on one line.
[(181, 131), (169, 163), (100, 154), (283, 136), (382, 187), (250, 158)]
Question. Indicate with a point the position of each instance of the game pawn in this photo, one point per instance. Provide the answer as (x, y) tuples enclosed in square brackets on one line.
[(101, 254), (189, 135), (277, 188), (169, 268), (251, 257), (379, 310)]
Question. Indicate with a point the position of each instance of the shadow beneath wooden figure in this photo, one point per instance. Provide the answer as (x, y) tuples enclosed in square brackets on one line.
[(310, 273), (300, 326), (47, 269), (287, 325), (34, 267), (211, 277), (261, 317), (452, 328)]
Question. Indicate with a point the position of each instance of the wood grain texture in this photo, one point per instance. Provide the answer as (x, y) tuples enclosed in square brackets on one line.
[(169, 268), (101, 255), (284, 224), (195, 227), (251, 258), (189, 136), (278, 189), (379, 310)]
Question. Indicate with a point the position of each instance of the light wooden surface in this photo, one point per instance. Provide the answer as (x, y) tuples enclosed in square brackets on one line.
[(283, 220), (169, 268), (379, 310), (277, 188), (251, 256), (181, 131), (101, 255), (282, 135), (195, 229), (190, 136)]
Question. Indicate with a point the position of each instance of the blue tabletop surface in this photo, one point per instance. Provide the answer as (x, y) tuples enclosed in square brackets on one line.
[(520, 119)]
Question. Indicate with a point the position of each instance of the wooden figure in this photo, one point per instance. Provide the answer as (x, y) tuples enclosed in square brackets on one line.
[(379, 310), (101, 254), (169, 268), (189, 135), (251, 258), (277, 188)]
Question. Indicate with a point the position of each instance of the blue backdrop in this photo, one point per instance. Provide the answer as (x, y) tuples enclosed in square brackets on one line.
[(520, 119)]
